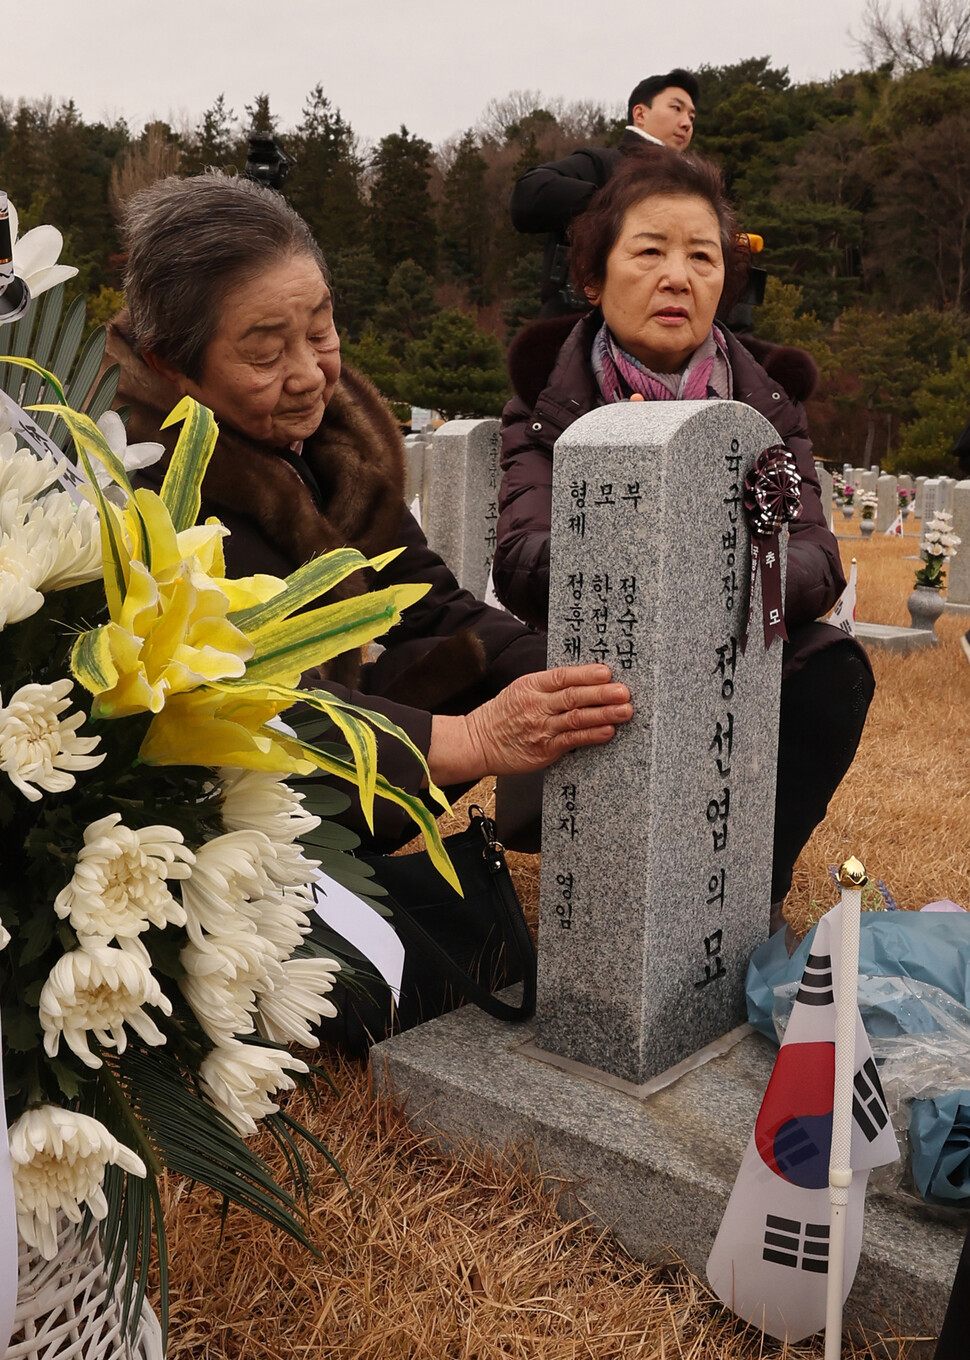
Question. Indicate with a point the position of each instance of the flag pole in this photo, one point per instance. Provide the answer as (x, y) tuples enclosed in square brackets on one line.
[(852, 879)]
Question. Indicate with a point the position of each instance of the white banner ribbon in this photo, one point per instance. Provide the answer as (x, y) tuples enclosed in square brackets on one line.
[(15, 418), (359, 924)]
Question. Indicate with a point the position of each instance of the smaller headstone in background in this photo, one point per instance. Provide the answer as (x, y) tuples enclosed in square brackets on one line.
[(931, 489), (857, 475), (461, 500), (958, 570), (918, 501), (876, 469), (848, 472), (887, 507), (944, 497), (905, 482), (826, 484), (870, 480), (420, 419), (414, 445)]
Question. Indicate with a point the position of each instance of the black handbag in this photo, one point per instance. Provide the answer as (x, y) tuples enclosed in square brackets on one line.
[(456, 948)]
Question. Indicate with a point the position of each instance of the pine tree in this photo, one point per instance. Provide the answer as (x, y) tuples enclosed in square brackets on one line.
[(408, 307), (258, 116), (457, 369), (466, 220), (214, 140), (324, 185), (402, 217), (356, 289)]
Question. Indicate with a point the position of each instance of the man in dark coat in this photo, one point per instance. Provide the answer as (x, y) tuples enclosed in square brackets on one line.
[(660, 110)]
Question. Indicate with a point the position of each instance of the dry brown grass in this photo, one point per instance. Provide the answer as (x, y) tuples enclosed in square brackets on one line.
[(435, 1257)]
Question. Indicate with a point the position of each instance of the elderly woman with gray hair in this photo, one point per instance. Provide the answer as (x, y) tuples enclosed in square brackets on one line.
[(229, 302)]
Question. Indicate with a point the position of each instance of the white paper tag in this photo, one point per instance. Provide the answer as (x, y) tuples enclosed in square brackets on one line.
[(351, 917)]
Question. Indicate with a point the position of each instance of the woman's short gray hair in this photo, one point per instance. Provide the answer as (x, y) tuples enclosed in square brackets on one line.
[(190, 241)]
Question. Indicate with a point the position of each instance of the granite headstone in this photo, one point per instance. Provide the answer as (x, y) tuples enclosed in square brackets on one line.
[(825, 482), (958, 571), (887, 506), (918, 499), (461, 510), (944, 494), (931, 489), (656, 863)]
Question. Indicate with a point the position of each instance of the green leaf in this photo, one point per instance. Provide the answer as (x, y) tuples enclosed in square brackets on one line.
[(314, 637), (182, 488), (21, 1029), (308, 583)]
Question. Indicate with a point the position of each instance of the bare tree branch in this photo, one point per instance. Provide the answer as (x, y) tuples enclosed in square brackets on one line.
[(937, 33)]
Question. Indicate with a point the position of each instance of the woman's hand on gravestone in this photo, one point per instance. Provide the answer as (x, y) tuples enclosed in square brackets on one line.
[(530, 724)]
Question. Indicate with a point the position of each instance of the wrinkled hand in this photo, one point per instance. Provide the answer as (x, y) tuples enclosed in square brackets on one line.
[(530, 724)]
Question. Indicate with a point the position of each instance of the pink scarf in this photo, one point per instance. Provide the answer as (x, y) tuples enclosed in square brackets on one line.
[(707, 372)]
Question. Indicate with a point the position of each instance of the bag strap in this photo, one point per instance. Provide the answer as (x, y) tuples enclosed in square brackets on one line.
[(514, 930)]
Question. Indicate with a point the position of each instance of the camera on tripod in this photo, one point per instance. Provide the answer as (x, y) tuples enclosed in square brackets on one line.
[(267, 162)]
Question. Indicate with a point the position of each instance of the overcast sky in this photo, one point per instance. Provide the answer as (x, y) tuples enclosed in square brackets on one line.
[(431, 64)]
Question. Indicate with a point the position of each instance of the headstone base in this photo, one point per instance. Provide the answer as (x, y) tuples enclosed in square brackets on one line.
[(657, 1171), (893, 639), (956, 608)]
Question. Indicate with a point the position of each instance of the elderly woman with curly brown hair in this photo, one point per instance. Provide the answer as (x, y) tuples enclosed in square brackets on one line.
[(655, 254), (229, 302)]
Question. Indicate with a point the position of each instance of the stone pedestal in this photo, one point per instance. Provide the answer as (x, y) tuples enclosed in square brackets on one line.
[(654, 1168)]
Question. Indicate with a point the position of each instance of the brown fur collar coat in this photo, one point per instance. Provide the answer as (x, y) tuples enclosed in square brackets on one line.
[(357, 456)]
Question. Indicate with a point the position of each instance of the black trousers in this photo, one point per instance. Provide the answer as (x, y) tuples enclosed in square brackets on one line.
[(823, 711), (954, 1342), (824, 701)]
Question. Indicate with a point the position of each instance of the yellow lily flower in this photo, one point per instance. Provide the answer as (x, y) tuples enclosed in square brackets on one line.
[(215, 659), (211, 726)]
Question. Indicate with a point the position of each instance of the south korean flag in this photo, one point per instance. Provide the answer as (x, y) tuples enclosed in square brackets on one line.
[(770, 1258)]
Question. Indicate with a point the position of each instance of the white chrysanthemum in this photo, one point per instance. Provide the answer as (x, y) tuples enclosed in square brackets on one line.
[(223, 976), (22, 471), (22, 564), (285, 1014), (229, 872), (46, 541), (74, 533), (35, 256), (934, 549), (257, 801), (118, 887), (58, 1159), (38, 749), (99, 989), (240, 1078), (281, 919)]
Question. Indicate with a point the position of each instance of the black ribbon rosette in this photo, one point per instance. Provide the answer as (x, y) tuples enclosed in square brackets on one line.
[(772, 497)]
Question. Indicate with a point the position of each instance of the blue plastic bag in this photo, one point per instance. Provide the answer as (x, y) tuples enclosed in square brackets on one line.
[(933, 950)]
